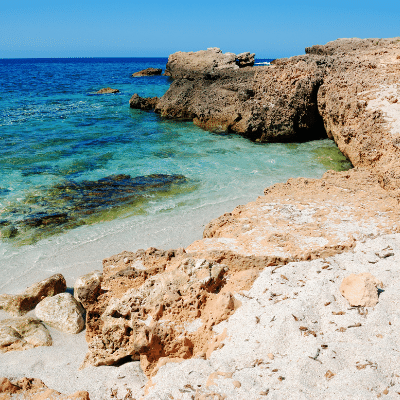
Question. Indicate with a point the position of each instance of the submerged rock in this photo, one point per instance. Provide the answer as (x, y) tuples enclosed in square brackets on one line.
[(62, 312), (23, 333), (148, 72), (70, 204), (20, 304), (107, 90), (9, 231)]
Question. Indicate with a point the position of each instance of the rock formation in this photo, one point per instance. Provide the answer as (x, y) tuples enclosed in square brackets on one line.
[(143, 103), (361, 290), (107, 90), (23, 333), (148, 72), (20, 304), (62, 312), (88, 287), (34, 389)]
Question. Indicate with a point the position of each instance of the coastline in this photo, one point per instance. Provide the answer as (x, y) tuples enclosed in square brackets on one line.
[(347, 214)]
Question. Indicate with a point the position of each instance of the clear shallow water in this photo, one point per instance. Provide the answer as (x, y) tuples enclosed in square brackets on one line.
[(53, 129)]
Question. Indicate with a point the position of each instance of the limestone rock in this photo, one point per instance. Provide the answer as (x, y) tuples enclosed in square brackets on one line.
[(191, 64), (23, 333), (360, 289), (245, 59), (151, 299), (87, 287), (34, 389), (62, 312), (143, 103), (148, 72), (107, 90), (20, 304)]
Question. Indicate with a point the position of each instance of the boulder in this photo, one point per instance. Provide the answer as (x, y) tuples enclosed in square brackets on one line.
[(88, 287), (148, 72), (361, 289), (23, 333), (20, 304), (107, 90), (34, 389), (61, 312), (191, 64), (245, 59), (143, 103), (8, 232)]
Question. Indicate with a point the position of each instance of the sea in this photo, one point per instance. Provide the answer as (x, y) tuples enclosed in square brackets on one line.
[(84, 177)]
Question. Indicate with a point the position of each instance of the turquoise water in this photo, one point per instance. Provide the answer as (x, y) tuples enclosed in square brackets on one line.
[(56, 133)]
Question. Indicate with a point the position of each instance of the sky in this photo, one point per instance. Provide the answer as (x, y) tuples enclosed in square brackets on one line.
[(155, 28)]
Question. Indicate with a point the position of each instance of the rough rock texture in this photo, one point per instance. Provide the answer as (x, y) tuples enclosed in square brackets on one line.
[(20, 304), (143, 103), (323, 92), (34, 389), (245, 59), (160, 306), (88, 287), (62, 312), (361, 290), (294, 335), (191, 64), (107, 90), (23, 333), (148, 72)]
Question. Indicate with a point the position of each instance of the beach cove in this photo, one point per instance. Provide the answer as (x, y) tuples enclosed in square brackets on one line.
[(298, 241)]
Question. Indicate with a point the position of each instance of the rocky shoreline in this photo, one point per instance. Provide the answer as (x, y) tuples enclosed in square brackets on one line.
[(256, 308)]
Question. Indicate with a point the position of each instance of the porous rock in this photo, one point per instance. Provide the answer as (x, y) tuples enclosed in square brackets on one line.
[(107, 90), (148, 72), (360, 289), (87, 287), (143, 103), (20, 304), (245, 59), (62, 312), (34, 389), (23, 333), (158, 306)]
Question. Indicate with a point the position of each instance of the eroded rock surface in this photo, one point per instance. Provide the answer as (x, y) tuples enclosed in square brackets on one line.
[(34, 389), (20, 304), (23, 333), (143, 103), (88, 287), (62, 312), (160, 306), (147, 72)]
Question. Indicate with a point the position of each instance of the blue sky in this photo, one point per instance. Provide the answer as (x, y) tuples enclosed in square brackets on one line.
[(120, 28)]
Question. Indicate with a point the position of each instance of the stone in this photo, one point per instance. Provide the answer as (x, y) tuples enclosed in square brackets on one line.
[(61, 312), (51, 210), (107, 90), (191, 64), (151, 301), (20, 304), (23, 333), (245, 59), (34, 389), (148, 72), (143, 103), (360, 289), (88, 287)]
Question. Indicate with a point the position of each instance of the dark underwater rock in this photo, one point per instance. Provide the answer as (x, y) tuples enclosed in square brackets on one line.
[(70, 204)]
